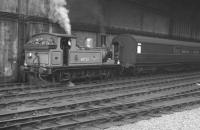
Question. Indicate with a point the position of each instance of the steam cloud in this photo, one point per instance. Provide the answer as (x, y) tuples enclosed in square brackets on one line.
[(59, 13)]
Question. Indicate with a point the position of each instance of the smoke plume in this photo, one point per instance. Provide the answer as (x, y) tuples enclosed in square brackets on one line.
[(58, 13)]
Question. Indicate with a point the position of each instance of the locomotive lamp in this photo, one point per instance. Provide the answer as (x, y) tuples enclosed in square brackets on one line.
[(69, 43), (30, 55)]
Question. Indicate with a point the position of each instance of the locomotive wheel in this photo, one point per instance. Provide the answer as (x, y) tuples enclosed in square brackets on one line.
[(33, 78), (82, 73)]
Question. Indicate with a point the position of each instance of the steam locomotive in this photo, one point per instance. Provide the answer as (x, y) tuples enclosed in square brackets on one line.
[(57, 57)]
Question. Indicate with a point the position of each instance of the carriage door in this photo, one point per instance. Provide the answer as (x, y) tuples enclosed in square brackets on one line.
[(116, 52), (65, 47)]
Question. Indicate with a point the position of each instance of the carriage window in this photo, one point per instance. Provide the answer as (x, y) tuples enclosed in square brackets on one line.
[(116, 47), (195, 52), (177, 50), (139, 48), (185, 51)]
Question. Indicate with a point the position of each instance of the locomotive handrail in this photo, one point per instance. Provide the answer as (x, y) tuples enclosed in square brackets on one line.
[(55, 34), (38, 47)]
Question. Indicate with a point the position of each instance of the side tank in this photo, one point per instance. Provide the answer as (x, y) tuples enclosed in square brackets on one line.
[(89, 55)]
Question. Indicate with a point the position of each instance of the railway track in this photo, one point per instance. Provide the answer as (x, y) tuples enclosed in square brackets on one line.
[(95, 104), (19, 87), (69, 93), (120, 109), (11, 84), (23, 91)]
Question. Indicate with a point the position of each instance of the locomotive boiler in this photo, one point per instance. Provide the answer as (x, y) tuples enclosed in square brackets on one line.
[(57, 57)]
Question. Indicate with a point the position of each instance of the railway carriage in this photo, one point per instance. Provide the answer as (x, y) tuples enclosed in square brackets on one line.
[(148, 54)]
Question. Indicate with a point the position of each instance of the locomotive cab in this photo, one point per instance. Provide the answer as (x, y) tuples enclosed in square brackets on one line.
[(65, 45)]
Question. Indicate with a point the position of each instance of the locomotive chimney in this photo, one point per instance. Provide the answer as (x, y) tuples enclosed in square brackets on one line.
[(59, 13)]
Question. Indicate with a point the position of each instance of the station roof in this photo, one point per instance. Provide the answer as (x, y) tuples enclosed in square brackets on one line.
[(190, 6)]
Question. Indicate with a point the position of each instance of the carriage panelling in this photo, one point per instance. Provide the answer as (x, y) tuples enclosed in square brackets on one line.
[(167, 58), (157, 48)]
